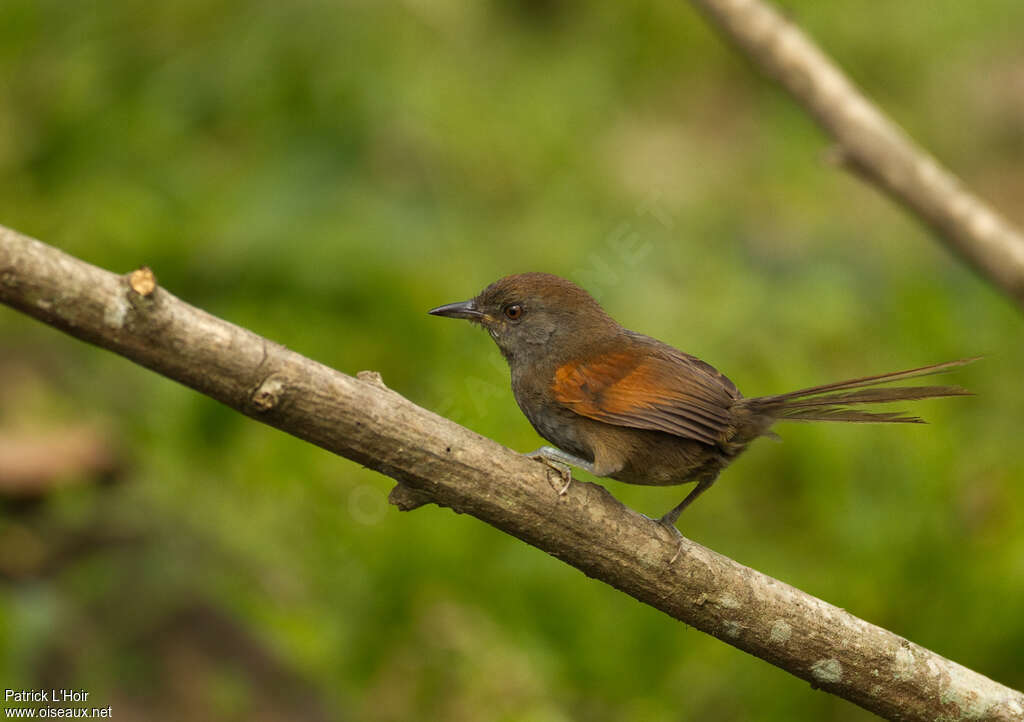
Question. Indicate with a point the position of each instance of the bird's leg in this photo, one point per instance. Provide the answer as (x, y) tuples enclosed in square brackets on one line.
[(560, 461), (669, 520)]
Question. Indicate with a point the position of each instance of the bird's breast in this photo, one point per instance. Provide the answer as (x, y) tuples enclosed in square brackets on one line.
[(557, 424)]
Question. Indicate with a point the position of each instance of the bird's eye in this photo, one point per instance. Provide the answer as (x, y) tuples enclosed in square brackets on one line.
[(513, 312)]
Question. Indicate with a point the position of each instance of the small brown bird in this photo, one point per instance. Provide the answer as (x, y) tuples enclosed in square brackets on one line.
[(627, 406)]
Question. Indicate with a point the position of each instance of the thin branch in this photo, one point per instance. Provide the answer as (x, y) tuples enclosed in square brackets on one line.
[(871, 144), (436, 460)]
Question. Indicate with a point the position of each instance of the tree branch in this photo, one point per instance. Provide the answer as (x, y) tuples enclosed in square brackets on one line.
[(436, 460), (871, 144)]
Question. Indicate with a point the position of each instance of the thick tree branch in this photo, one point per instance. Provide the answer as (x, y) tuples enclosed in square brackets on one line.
[(437, 460), (871, 144)]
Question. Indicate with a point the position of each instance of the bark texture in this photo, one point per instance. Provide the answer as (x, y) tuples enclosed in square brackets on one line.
[(436, 460)]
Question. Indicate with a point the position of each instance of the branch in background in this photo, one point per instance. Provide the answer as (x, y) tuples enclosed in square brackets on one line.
[(872, 145), (439, 461)]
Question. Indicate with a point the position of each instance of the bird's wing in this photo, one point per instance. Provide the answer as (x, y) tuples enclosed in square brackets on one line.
[(666, 391)]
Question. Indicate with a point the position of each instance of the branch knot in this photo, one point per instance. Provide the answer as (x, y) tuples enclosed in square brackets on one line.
[(269, 393)]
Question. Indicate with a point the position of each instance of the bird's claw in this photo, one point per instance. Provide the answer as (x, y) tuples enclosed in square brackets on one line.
[(564, 470), (669, 525), (679, 548)]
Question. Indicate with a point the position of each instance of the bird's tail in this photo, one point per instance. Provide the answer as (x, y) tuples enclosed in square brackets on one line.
[(840, 401)]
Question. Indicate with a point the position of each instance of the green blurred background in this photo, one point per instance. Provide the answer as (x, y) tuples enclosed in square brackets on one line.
[(323, 173)]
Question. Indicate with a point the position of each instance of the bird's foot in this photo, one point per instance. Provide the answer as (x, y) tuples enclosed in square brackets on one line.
[(561, 467), (560, 461), (668, 523)]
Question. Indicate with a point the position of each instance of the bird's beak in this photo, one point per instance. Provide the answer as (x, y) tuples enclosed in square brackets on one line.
[(462, 309)]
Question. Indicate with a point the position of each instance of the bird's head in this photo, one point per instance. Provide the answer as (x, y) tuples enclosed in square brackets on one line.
[(534, 314)]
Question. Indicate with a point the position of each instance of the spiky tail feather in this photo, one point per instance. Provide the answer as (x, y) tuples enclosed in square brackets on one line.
[(832, 402)]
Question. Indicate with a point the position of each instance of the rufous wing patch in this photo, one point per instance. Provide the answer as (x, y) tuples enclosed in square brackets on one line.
[(644, 391)]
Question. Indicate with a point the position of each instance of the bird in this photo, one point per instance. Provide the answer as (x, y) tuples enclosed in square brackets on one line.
[(626, 406)]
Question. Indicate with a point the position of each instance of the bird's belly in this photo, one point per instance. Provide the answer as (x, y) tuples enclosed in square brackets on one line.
[(651, 458), (563, 429), (660, 459)]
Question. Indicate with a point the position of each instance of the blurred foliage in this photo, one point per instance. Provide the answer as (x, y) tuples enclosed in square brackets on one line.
[(324, 172)]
